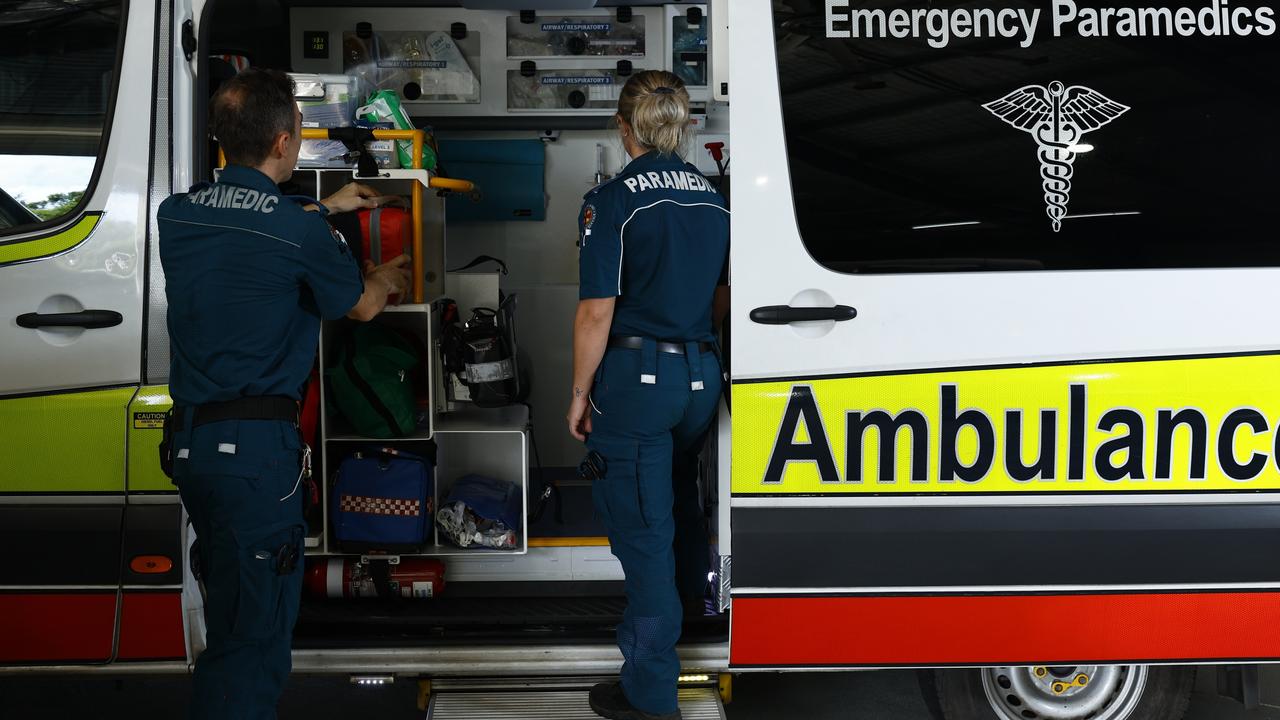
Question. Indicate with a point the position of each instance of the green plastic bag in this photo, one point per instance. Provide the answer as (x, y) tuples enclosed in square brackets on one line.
[(384, 106), (370, 382)]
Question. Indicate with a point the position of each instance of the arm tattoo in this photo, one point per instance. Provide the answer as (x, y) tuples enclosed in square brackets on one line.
[(577, 392)]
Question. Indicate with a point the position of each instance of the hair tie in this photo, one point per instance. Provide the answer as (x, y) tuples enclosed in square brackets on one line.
[(664, 91)]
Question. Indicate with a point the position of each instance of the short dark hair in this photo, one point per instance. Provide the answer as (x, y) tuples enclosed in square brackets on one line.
[(249, 111)]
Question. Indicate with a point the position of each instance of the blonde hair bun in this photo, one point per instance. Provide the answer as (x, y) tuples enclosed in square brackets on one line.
[(655, 104)]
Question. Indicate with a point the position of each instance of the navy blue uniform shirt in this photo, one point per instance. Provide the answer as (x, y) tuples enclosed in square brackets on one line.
[(657, 238), (249, 274)]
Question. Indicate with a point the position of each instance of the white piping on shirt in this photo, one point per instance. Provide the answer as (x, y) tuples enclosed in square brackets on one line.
[(228, 227), (622, 233)]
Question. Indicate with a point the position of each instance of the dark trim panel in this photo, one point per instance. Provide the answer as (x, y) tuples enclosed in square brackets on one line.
[(1005, 546), (152, 530), (60, 544)]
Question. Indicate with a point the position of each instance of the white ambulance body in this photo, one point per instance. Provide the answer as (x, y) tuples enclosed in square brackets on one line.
[(1004, 398)]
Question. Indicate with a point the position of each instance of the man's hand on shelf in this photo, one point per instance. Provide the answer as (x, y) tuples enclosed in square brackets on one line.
[(354, 196)]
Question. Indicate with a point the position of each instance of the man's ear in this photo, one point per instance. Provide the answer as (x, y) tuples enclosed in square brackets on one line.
[(280, 147)]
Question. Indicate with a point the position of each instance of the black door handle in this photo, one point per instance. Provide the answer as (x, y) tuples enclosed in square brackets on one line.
[(85, 319), (784, 314)]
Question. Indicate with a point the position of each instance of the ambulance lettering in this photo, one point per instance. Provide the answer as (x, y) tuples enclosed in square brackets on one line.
[(939, 26), (963, 447)]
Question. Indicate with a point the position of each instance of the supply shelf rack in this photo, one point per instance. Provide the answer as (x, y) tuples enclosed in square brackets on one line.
[(489, 442)]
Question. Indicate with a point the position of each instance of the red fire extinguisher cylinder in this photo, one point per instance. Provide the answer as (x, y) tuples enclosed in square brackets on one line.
[(347, 578)]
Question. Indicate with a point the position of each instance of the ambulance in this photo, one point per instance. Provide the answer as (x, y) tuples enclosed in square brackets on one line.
[(1005, 399)]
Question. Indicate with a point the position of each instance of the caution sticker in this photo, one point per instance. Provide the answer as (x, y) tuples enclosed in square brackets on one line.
[(148, 420)]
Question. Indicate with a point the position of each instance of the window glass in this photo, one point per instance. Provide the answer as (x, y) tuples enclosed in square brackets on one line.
[(1021, 135), (57, 73)]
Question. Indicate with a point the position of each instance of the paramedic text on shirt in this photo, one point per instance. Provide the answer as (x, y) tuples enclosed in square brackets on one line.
[(646, 380), (250, 274)]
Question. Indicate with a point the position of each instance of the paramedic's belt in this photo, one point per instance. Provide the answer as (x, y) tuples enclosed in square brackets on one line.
[(633, 342), (268, 407)]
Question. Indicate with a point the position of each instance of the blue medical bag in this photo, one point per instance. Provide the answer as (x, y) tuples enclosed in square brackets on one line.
[(382, 501)]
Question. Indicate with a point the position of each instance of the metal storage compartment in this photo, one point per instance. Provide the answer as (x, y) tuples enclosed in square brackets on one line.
[(449, 62)]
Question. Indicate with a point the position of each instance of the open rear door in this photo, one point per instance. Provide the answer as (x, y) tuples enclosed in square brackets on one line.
[(1049, 434)]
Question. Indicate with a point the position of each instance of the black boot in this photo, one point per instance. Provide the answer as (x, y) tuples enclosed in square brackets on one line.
[(608, 701)]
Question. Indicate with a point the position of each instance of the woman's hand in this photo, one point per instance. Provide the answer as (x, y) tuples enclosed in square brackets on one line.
[(579, 416)]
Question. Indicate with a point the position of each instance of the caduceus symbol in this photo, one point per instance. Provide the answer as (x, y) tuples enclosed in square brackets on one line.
[(1058, 117)]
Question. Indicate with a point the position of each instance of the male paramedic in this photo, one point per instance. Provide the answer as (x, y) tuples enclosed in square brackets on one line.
[(646, 380), (250, 274)]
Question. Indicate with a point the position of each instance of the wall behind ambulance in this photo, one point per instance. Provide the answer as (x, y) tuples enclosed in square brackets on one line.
[(543, 259)]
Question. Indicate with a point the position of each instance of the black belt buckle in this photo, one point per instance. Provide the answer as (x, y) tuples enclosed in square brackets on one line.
[(166, 445)]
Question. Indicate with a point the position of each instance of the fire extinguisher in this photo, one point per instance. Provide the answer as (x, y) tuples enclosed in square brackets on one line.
[(350, 578)]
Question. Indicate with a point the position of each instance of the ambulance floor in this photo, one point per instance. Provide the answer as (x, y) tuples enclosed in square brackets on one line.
[(891, 695)]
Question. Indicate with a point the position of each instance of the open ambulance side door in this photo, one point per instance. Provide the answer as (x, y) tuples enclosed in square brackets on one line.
[(1048, 434), (74, 141)]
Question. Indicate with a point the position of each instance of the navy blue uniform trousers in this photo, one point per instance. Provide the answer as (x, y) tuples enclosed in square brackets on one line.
[(240, 486), (641, 430)]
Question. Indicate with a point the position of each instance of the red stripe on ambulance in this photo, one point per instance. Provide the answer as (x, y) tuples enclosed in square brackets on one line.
[(39, 627), (151, 627), (776, 631)]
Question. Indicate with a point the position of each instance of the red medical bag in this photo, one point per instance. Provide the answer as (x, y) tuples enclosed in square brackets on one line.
[(387, 233)]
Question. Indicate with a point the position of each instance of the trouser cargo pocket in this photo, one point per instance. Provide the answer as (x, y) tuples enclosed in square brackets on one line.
[(267, 557)]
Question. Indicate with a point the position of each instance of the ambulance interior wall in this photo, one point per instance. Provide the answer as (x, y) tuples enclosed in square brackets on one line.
[(543, 260)]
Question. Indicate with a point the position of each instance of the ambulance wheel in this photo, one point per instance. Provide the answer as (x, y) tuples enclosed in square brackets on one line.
[(1078, 692)]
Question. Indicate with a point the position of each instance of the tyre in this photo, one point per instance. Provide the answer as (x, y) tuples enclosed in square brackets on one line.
[(1079, 692)]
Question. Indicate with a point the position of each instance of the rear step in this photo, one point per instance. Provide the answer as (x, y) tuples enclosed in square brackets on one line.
[(545, 699)]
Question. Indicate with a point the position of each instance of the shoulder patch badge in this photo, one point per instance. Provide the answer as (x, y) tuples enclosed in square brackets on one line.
[(588, 216)]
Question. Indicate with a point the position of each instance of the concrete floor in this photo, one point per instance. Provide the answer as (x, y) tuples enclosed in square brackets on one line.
[(811, 696)]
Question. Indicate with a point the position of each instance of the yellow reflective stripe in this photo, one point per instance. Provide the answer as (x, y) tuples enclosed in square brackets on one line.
[(58, 242), (1207, 424), (147, 410), (64, 443)]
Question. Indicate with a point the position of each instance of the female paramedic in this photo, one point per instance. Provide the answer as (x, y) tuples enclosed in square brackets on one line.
[(646, 380)]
